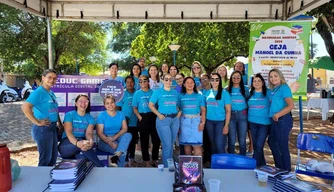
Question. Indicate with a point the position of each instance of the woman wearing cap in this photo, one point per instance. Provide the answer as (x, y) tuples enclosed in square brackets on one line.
[(168, 115), (41, 108)]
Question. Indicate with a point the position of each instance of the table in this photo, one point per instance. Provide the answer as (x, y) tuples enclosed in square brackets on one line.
[(325, 104), (138, 180)]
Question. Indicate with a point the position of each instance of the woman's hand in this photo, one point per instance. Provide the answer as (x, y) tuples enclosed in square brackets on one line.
[(276, 116), (225, 130), (44, 122), (140, 118), (161, 117), (200, 127)]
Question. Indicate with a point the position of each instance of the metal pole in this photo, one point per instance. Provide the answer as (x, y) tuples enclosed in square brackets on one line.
[(312, 53), (301, 114), (49, 20), (76, 66), (174, 53)]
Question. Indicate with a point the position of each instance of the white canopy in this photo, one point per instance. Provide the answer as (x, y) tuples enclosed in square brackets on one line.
[(166, 10)]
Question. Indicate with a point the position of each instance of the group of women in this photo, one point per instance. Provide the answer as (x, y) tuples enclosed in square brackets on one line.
[(184, 107)]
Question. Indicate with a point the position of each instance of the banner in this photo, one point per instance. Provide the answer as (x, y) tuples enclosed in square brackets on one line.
[(281, 45), (68, 87)]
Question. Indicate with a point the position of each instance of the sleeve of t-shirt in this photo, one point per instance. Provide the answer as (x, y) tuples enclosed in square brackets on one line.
[(34, 97), (286, 91), (100, 119), (154, 97), (68, 117), (122, 116), (91, 120), (135, 100), (227, 98)]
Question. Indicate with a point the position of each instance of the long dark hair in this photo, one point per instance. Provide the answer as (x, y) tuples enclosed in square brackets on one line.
[(177, 70), (241, 84), (220, 86), (264, 88), (157, 76), (184, 90), (131, 72), (76, 100)]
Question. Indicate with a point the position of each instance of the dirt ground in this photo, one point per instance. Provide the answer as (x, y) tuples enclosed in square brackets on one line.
[(29, 157)]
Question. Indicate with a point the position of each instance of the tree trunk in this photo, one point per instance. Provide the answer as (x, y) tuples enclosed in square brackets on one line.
[(327, 37)]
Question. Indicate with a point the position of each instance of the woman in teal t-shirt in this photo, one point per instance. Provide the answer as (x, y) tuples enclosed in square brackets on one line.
[(112, 130), (281, 104), (41, 108), (78, 136), (258, 116)]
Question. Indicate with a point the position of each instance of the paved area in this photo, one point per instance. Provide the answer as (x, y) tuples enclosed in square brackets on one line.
[(15, 128)]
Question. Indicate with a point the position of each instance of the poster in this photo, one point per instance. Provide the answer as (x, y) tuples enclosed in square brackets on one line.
[(68, 87), (281, 45)]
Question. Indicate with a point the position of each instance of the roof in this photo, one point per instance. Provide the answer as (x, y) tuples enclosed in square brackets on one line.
[(166, 10)]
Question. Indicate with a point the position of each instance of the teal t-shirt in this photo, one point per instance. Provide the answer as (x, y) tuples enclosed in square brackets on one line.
[(119, 79), (258, 108), (277, 98), (79, 123), (197, 81), (215, 109), (167, 101), (245, 79), (141, 99), (112, 125), (145, 72), (190, 104), (137, 86), (126, 104), (238, 100), (44, 103), (174, 84)]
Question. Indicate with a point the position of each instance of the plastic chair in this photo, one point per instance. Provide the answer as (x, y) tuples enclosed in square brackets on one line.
[(317, 143), (232, 161)]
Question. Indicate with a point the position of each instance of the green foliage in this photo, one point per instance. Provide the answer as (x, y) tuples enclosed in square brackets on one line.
[(209, 43), (23, 39), (325, 25)]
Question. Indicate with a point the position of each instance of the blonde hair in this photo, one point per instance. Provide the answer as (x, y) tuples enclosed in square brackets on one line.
[(109, 96), (280, 75), (226, 76), (201, 67)]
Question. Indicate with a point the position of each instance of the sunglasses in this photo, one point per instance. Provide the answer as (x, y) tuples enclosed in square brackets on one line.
[(196, 67), (214, 79), (236, 77), (143, 81), (168, 79)]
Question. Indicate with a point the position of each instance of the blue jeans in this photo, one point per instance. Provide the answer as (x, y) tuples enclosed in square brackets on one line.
[(279, 141), (67, 151), (123, 144), (238, 126), (259, 134), (216, 137), (167, 130), (46, 139)]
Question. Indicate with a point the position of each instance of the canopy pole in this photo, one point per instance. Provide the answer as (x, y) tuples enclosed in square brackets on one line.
[(48, 21)]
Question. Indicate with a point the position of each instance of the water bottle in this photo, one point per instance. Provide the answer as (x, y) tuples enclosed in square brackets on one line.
[(5, 169)]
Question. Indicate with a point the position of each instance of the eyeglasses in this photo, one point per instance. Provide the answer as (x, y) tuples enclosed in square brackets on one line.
[(196, 67), (178, 79), (204, 79), (234, 77), (143, 81), (83, 102), (168, 79), (214, 79)]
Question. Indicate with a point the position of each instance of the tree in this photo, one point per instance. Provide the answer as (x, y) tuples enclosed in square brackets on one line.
[(23, 39), (209, 43), (325, 25)]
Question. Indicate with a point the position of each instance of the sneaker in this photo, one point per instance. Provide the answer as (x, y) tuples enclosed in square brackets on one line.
[(249, 154), (113, 161)]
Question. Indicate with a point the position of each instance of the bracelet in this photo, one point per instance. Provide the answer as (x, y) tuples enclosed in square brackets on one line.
[(76, 143)]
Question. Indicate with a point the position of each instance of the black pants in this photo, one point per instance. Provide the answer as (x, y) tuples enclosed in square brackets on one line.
[(206, 147), (146, 129), (132, 146)]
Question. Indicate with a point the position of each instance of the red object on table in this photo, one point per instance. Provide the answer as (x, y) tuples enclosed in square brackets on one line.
[(5, 169)]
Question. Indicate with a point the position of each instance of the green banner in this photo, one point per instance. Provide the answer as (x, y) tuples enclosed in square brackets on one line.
[(282, 45)]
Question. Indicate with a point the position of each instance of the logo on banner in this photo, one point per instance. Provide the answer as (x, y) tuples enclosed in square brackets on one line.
[(112, 87)]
